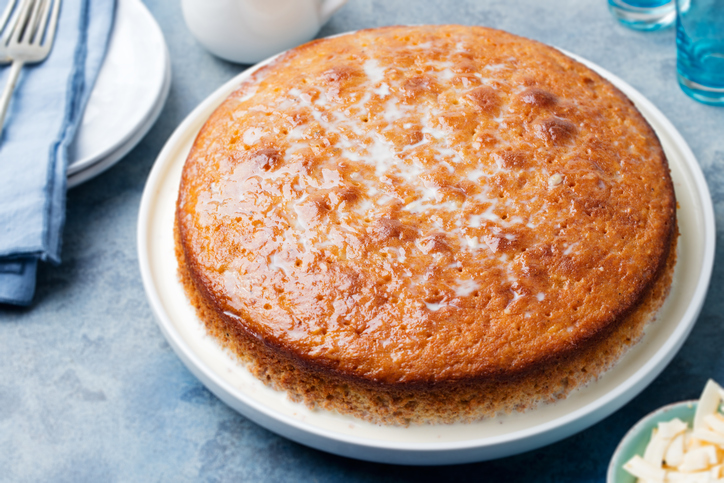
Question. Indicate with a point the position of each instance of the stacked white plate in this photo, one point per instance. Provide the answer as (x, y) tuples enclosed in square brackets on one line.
[(128, 96)]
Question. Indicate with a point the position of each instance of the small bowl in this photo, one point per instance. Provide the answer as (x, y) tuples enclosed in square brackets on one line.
[(635, 441)]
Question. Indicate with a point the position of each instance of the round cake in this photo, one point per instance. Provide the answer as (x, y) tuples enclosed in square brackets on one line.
[(426, 224)]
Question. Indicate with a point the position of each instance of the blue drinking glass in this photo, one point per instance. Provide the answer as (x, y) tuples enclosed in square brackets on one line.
[(700, 49), (643, 14)]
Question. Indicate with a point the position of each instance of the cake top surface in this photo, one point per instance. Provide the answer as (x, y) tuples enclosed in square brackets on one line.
[(421, 204)]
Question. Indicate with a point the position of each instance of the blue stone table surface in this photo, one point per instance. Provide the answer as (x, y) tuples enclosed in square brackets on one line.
[(91, 391)]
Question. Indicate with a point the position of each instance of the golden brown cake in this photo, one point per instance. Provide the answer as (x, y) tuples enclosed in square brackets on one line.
[(426, 224)]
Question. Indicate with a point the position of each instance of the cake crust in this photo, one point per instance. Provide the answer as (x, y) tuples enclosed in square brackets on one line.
[(426, 223)]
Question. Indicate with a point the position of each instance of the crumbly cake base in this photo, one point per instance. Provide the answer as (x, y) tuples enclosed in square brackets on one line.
[(451, 402)]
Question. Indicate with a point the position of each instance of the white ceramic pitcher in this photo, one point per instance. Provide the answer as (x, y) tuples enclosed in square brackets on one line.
[(248, 31)]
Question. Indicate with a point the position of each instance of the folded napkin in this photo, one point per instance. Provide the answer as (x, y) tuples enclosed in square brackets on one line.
[(45, 111)]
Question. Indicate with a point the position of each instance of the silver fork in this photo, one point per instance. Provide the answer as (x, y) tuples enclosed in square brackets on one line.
[(28, 40), (9, 8)]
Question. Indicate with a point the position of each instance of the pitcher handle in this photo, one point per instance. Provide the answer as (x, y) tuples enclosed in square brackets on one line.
[(328, 8)]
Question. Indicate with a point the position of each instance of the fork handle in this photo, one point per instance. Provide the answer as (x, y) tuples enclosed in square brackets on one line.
[(15, 69)]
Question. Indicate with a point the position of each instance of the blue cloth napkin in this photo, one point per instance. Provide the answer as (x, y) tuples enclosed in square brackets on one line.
[(45, 111)]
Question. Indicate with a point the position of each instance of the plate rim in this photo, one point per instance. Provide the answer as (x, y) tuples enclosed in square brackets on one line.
[(601, 407)]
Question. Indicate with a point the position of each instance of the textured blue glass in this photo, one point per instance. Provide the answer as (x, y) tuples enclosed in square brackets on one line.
[(643, 14), (646, 3), (700, 49)]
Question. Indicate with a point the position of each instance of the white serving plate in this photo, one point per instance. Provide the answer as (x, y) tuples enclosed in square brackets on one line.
[(427, 444), (128, 96)]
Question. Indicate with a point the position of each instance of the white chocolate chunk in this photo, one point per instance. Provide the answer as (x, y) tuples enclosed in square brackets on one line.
[(717, 471), (715, 422), (708, 403), (698, 459), (644, 470), (708, 436), (675, 453), (661, 440), (655, 450), (673, 428), (698, 477)]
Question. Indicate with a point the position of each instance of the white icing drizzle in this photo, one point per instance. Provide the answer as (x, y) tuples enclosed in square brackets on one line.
[(434, 307), (365, 136), (463, 288)]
